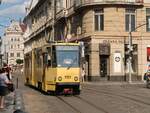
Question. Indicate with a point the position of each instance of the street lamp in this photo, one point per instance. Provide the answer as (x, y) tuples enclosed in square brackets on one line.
[(131, 48)]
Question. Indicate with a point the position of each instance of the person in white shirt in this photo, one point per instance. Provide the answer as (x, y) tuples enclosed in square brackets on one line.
[(83, 74), (3, 87)]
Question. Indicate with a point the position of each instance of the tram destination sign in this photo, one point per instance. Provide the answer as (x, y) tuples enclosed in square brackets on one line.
[(67, 48)]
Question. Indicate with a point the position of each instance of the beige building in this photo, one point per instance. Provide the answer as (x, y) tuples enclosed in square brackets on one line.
[(103, 26), (12, 43)]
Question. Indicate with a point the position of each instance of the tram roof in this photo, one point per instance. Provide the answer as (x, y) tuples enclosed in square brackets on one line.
[(63, 43)]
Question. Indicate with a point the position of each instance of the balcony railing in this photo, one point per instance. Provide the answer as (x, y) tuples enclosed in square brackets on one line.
[(90, 2)]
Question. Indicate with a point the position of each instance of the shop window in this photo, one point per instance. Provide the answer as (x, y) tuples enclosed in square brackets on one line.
[(148, 54)]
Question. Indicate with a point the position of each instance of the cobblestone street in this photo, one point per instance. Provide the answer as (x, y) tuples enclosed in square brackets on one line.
[(75, 56), (9, 104), (109, 97)]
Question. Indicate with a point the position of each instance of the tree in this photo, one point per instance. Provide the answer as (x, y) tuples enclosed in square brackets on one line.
[(19, 61)]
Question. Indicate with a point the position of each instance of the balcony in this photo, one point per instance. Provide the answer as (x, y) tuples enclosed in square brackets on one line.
[(80, 3)]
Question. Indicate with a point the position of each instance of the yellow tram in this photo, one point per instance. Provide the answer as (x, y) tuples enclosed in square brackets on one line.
[(54, 67)]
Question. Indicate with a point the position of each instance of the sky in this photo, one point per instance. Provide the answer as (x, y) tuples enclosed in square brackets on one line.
[(11, 10)]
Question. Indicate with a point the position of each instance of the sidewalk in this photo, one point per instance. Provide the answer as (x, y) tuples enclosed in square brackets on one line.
[(9, 104), (13, 101)]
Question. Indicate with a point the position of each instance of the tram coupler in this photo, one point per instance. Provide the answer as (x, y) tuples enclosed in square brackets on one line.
[(68, 91)]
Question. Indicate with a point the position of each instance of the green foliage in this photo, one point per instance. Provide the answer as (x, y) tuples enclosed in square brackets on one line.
[(19, 61)]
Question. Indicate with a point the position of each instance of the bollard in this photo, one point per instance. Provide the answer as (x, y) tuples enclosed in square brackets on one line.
[(17, 83)]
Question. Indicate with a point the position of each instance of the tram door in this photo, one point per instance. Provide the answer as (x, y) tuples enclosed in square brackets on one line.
[(103, 66)]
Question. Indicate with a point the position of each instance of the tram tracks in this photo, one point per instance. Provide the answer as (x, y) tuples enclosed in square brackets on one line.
[(111, 94), (129, 93), (90, 103), (127, 96), (70, 105), (82, 100)]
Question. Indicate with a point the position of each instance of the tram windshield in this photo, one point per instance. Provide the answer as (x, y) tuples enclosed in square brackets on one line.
[(67, 56)]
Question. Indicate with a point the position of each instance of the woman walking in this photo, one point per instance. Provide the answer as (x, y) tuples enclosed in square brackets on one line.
[(83, 74), (3, 87)]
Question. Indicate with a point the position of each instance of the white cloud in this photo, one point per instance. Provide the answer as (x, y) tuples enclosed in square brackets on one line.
[(10, 1), (17, 9), (14, 9), (27, 3)]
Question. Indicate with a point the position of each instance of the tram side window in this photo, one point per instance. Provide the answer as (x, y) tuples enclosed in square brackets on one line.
[(38, 59), (54, 63), (47, 59)]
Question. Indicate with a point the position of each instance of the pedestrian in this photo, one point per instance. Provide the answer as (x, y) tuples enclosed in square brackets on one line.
[(8, 71), (145, 76), (3, 87), (22, 70), (83, 74)]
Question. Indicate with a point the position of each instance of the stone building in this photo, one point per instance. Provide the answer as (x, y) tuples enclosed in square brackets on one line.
[(12, 43), (103, 26)]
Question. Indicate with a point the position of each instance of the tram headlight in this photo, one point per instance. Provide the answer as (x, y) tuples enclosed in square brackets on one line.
[(59, 78), (75, 78)]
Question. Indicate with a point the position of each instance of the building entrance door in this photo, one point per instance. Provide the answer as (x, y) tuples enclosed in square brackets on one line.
[(103, 66)]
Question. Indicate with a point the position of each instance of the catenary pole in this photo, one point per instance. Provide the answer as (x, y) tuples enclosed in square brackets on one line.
[(130, 55), (131, 49)]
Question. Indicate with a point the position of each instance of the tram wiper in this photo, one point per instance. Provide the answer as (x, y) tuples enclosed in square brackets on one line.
[(72, 63)]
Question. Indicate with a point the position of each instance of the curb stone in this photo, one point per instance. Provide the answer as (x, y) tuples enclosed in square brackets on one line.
[(19, 105)]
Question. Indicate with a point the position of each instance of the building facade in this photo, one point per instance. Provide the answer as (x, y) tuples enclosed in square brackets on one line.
[(103, 26), (12, 43)]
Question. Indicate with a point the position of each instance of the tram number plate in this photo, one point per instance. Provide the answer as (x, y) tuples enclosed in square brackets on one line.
[(67, 77)]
